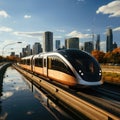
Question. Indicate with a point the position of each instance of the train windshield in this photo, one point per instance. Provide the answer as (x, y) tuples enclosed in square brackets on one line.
[(85, 65)]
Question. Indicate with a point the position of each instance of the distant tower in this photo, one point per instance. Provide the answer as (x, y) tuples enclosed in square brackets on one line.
[(12, 54), (114, 45), (47, 41), (98, 42), (57, 44), (88, 46), (28, 50), (23, 54), (109, 41), (72, 43), (37, 48)]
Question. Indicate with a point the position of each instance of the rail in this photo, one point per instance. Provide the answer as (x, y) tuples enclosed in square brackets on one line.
[(68, 99)]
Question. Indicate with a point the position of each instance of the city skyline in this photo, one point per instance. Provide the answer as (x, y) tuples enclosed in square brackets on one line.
[(27, 20), (69, 43)]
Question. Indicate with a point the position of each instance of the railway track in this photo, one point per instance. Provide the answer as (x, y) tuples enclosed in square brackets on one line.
[(92, 103), (103, 101), (109, 90)]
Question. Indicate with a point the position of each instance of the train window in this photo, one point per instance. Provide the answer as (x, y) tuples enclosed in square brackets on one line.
[(44, 62), (85, 63), (57, 63), (25, 61), (28, 61), (36, 61), (40, 62)]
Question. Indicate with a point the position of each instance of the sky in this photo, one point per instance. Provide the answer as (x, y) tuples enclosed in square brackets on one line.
[(26, 20)]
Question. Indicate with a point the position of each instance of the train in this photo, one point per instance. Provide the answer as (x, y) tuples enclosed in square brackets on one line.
[(69, 67)]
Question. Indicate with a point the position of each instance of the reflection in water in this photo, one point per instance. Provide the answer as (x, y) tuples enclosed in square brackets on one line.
[(4, 115), (52, 107), (6, 95), (20, 100)]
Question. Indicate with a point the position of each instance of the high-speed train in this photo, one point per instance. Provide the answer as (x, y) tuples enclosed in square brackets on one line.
[(70, 67)]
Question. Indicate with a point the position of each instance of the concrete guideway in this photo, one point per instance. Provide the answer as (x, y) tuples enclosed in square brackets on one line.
[(77, 104)]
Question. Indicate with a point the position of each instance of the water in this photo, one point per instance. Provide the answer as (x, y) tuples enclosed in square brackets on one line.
[(21, 101)]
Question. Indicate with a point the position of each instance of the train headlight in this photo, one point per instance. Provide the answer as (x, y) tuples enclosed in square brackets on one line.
[(82, 74), (100, 72), (80, 71)]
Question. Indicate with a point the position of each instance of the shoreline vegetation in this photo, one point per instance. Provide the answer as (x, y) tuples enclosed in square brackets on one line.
[(111, 74)]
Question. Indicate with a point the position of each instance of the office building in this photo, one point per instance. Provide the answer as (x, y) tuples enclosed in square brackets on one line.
[(28, 50), (88, 46), (57, 44), (12, 54), (23, 54), (72, 43), (98, 42), (47, 41), (109, 40), (36, 48), (114, 45)]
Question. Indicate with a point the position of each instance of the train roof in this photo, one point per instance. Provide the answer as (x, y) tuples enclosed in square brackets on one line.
[(68, 51), (28, 57), (63, 52)]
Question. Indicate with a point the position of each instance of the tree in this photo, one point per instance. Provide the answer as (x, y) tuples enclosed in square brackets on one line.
[(108, 57), (116, 56), (99, 55), (13, 58)]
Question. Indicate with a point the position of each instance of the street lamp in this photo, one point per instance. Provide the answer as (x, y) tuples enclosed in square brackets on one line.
[(8, 45)]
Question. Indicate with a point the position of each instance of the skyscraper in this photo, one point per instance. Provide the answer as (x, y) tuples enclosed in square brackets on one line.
[(57, 44), (109, 40), (47, 41), (23, 54), (28, 50), (88, 46), (72, 43), (98, 42), (37, 48)]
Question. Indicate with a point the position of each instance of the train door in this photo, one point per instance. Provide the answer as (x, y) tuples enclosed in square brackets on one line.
[(31, 61), (45, 69)]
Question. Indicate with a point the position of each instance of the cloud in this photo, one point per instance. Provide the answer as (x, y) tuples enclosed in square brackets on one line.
[(88, 30), (3, 14), (29, 34), (60, 30), (112, 8), (5, 29), (116, 29), (80, 0), (27, 16), (78, 34), (7, 94), (57, 37)]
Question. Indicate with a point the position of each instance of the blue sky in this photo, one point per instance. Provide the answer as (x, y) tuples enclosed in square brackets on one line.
[(26, 20)]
